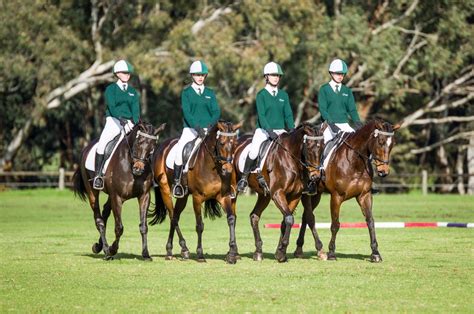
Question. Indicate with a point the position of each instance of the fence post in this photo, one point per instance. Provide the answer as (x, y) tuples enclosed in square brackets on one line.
[(424, 182), (61, 179)]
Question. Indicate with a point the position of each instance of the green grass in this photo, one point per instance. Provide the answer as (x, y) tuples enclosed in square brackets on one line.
[(46, 262)]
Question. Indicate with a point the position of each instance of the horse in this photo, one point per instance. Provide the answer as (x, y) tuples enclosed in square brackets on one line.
[(210, 179), (349, 174), (287, 168), (128, 176)]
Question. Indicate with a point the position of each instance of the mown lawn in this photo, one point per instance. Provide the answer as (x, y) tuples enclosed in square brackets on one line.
[(46, 262)]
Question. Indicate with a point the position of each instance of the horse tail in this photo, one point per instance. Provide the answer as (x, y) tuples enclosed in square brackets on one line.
[(158, 214), (212, 209), (79, 187)]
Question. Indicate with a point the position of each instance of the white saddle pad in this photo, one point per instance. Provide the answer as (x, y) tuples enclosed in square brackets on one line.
[(338, 143), (90, 160), (245, 153), (174, 151)]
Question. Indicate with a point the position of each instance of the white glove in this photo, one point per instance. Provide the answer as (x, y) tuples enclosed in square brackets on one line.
[(128, 127)]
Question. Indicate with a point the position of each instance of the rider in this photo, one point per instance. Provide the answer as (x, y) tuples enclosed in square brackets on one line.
[(273, 115), (336, 103), (122, 112), (200, 109)]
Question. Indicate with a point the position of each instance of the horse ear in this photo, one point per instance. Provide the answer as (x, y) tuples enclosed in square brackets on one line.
[(160, 128), (396, 126), (238, 125)]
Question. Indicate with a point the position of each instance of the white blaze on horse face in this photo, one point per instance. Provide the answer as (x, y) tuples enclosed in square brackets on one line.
[(389, 141)]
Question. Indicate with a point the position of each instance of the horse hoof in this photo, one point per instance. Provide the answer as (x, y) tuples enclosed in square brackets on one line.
[(281, 257), (185, 254), (169, 257), (298, 253), (322, 256), (113, 250), (258, 257), (147, 258), (108, 258), (331, 257), (96, 248), (375, 258), (231, 259), (201, 260)]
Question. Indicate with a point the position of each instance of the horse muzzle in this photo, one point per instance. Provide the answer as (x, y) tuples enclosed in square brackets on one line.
[(383, 170), (138, 168), (227, 169)]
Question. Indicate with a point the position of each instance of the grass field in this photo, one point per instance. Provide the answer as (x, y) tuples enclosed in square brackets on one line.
[(46, 262)]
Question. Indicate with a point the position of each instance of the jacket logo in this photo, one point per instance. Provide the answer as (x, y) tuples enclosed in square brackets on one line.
[(343, 94), (208, 97), (131, 94), (281, 99)]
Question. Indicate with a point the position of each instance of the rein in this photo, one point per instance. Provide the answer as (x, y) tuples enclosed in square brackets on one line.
[(306, 164), (132, 149), (218, 159), (377, 132)]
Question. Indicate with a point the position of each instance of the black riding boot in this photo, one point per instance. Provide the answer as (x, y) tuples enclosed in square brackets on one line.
[(243, 183), (98, 183), (178, 189), (311, 187)]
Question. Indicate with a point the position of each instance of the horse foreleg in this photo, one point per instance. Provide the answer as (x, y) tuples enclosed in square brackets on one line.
[(365, 202), (117, 210), (97, 247), (143, 204), (99, 224), (262, 203), (199, 227), (287, 210), (226, 203), (336, 201), (178, 209), (309, 204)]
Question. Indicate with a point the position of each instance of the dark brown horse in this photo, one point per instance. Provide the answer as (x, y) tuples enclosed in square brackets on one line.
[(210, 180), (286, 167), (128, 176), (349, 174)]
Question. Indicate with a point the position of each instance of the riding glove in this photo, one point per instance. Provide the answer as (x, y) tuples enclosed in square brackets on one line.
[(272, 135), (358, 125), (334, 128), (200, 131), (128, 126)]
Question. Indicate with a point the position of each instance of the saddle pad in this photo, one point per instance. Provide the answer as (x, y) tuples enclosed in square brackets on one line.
[(90, 160), (174, 151), (339, 141), (245, 153)]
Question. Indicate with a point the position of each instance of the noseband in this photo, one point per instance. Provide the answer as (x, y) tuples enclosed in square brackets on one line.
[(218, 159), (307, 138), (381, 161)]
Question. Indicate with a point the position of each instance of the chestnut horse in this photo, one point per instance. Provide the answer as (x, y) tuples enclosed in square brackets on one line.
[(210, 180), (286, 170), (128, 176), (349, 174)]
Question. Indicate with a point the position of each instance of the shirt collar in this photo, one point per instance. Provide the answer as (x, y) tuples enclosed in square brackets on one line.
[(333, 85), (270, 89), (123, 86), (196, 88)]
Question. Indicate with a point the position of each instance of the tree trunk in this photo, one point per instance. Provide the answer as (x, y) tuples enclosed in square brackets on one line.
[(445, 178), (460, 171), (470, 166)]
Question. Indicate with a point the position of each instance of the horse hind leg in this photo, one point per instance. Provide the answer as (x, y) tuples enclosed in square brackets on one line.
[(199, 228), (309, 204), (287, 223), (100, 225), (117, 209), (144, 203), (365, 203), (335, 224), (174, 226), (97, 247), (262, 203)]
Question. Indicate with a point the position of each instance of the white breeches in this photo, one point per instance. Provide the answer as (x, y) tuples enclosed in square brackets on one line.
[(329, 135), (258, 138), (187, 136), (112, 129)]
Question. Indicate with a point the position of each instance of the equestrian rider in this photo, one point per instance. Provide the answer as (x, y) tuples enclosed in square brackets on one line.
[(273, 116), (122, 113), (200, 110), (336, 103)]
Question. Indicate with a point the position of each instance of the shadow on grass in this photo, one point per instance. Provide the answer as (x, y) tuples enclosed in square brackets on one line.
[(117, 256)]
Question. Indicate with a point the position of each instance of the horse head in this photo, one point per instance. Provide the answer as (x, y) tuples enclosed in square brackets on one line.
[(225, 135), (313, 146), (144, 137), (380, 144)]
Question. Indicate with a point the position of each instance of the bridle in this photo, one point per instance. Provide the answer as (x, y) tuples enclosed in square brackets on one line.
[(378, 161), (132, 149), (216, 156)]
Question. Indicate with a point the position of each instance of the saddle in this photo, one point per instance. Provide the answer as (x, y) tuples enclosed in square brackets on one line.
[(109, 151), (331, 147), (262, 156)]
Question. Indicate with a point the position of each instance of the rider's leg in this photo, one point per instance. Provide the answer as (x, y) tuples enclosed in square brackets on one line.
[(258, 138), (111, 133), (187, 135)]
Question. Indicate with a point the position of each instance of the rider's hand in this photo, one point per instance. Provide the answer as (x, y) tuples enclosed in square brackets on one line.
[(272, 135), (358, 125), (334, 128), (128, 127), (200, 131)]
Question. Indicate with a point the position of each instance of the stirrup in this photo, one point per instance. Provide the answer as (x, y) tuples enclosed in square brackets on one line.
[(98, 183), (263, 184), (311, 188), (242, 186), (176, 191)]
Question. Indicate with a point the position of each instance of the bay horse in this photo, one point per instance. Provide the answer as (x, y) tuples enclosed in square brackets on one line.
[(286, 166), (128, 175), (210, 180), (349, 174)]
